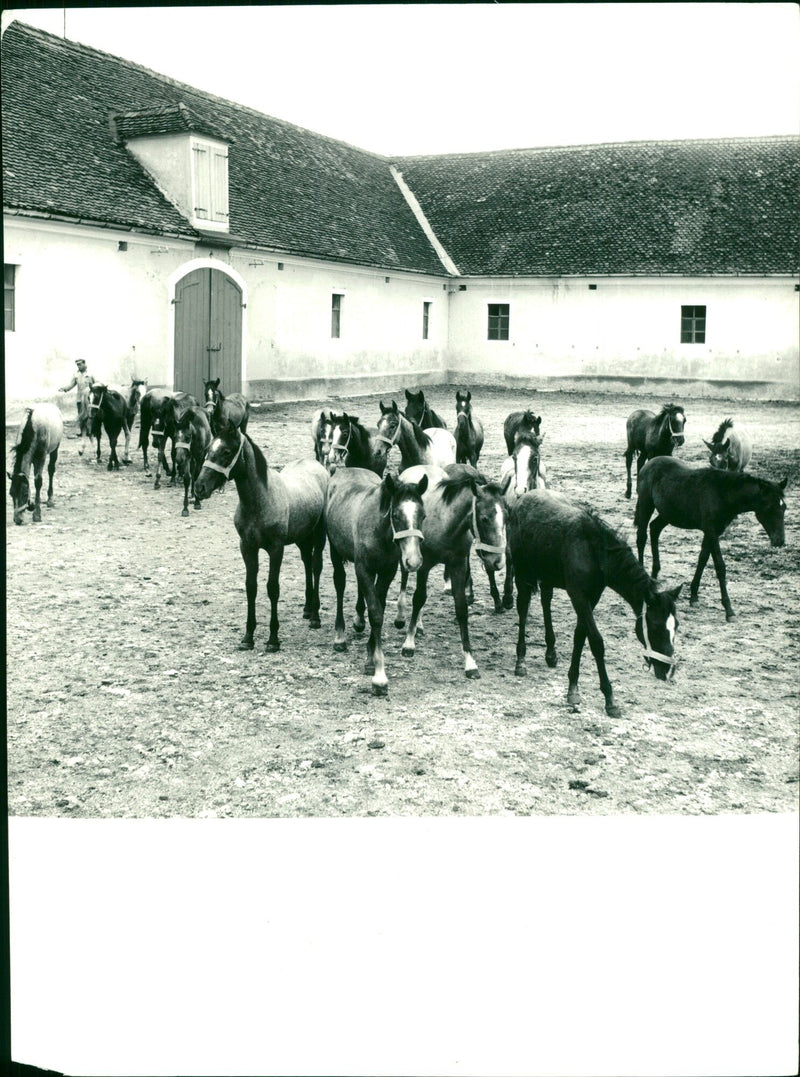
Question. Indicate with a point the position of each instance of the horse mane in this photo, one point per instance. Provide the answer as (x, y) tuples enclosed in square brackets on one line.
[(667, 410), (25, 441), (422, 439), (618, 555), (452, 485), (722, 429), (261, 461)]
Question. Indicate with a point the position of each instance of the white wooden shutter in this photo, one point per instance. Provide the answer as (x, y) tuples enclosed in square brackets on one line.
[(202, 182), (219, 186)]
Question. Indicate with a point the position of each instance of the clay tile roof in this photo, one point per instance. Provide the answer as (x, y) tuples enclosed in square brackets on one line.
[(703, 206), (164, 120), (289, 188)]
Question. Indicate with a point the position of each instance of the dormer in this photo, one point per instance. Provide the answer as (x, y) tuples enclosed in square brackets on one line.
[(186, 157)]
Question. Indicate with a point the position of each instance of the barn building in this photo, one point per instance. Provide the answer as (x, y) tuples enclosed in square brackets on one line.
[(162, 232)]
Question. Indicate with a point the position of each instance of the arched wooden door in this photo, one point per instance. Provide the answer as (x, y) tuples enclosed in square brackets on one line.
[(208, 332)]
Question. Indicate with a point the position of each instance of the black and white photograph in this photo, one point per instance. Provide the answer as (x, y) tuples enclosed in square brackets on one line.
[(402, 548)]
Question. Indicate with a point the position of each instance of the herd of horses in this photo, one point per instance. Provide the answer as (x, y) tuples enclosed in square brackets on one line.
[(432, 508)]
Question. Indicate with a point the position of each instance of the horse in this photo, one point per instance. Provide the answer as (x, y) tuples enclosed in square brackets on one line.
[(556, 543), (276, 509), (420, 412), (321, 429), (376, 524), (469, 431), (150, 407), (520, 420), (417, 446), (166, 420), (354, 445), (524, 470), (731, 453), (652, 435), (107, 409), (38, 440), (223, 409), (137, 390), (462, 512), (704, 499), (192, 440)]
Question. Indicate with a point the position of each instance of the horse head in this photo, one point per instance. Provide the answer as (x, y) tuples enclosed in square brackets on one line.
[(526, 457), (674, 421), (489, 521), (20, 488), (656, 628), (771, 509), (463, 403), (389, 423), (401, 502), (719, 453), (341, 431), (222, 457), (415, 405)]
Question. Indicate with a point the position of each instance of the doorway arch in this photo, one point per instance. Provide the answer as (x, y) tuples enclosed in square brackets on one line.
[(208, 307)]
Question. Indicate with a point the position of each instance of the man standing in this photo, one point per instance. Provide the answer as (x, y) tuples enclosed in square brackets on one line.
[(82, 381)]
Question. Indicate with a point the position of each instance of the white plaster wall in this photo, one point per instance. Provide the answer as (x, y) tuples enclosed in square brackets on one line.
[(630, 327), (78, 295)]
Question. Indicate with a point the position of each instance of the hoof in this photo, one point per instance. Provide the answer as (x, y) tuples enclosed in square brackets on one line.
[(380, 689), (185, 512), (246, 644), (37, 517), (314, 622), (358, 628), (499, 608), (340, 645), (50, 504), (408, 652), (628, 494), (126, 463), (551, 658), (520, 670), (508, 603), (306, 615), (272, 647), (109, 466), (613, 711), (473, 674), (398, 623), (730, 616), (693, 600), (156, 485), (80, 452)]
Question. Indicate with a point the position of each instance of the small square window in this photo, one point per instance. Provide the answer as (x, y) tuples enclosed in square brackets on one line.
[(693, 325), (498, 321), (9, 284)]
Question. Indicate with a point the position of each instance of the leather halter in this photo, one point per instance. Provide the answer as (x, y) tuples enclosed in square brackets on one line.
[(409, 532), (99, 404), (392, 441), (226, 471), (183, 445), (342, 449), (478, 544), (668, 660)]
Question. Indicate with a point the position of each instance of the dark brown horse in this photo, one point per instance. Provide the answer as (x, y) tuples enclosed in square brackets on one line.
[(37, 444), (225, 409), (276, 509), (652, 435), (192, 440), (704, 499), (354, 445), (375, 524), (525, 421), (166, 420), (108, 411), (434, 445), (558, 544), (419, 411), (469, 430)]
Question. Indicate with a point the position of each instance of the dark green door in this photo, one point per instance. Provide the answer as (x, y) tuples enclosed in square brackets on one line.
[(208, 332)]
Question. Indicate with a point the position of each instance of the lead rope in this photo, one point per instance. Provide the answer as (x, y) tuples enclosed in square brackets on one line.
[(648, 650)]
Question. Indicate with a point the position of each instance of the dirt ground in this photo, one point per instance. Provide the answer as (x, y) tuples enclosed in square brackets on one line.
[(127, 695)]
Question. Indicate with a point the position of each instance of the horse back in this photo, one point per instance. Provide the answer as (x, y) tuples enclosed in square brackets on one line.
[(442, 449), (47, 430), (351, 509), (302, 486), (549, 539), (637, 427)]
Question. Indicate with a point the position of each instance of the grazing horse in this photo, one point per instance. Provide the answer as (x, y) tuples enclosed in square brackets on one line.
[(276, 509), (321, 430), (462, 512), (556, 543), (652, 435), (165, 425), (225, 409), (524, 470), (420, 412), (38, 440), (108, 411), (417, 446), (469, 430), (520, 420), (707, 500), (192, 440), (354, 445), (731, 453), (376, 524)]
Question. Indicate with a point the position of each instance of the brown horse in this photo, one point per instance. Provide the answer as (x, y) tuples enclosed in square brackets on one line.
[(469, 430), (165, 425), (652, 435), (276, 509), (192, 440), (434, 445), (225, 409)]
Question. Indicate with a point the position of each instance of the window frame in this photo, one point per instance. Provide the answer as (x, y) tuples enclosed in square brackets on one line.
[(9, 297), (427, 304), (209, 176), (499, 323), (692, 332), (337, 306)]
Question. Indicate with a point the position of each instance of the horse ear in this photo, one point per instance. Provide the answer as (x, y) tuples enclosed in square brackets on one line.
[(782, 484), (422, 485), (675, 593), (353, 418), (388, 486), (383, 409), (506, 482), (216, 384), (394, 407), (709, 445), (469, 395), (409, 396)]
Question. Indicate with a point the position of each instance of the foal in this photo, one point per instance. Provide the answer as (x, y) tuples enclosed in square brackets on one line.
[(434, 445), (469, 430), (652, 435), (37, 443), (192, 440), (224, 409), (731, 452)]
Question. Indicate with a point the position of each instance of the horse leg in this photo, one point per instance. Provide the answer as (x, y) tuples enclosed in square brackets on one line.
[(628, 461), (376, 602), (274, 592), (641, 518), (460, 578), (656, 527), (468, 588), (113, 459), (419, 597), (198, 466), (186, 481), (51, 470), (550, 656), (702, 560), (524, 592), (127, 432), (159, 461), (173, 475), (250, 558), (587, 627), (402, 600), (339, 581), (359, 624), (719, 565), (37, 502), (309, 551), (508, 585), (498, 602)]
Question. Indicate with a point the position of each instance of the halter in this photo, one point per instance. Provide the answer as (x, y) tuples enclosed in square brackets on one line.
[(96, 407), (409, 532), (478, 543), (648, 650), (675, 433), (392, 441), (183, 445), (226, 471), (343, 449)]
